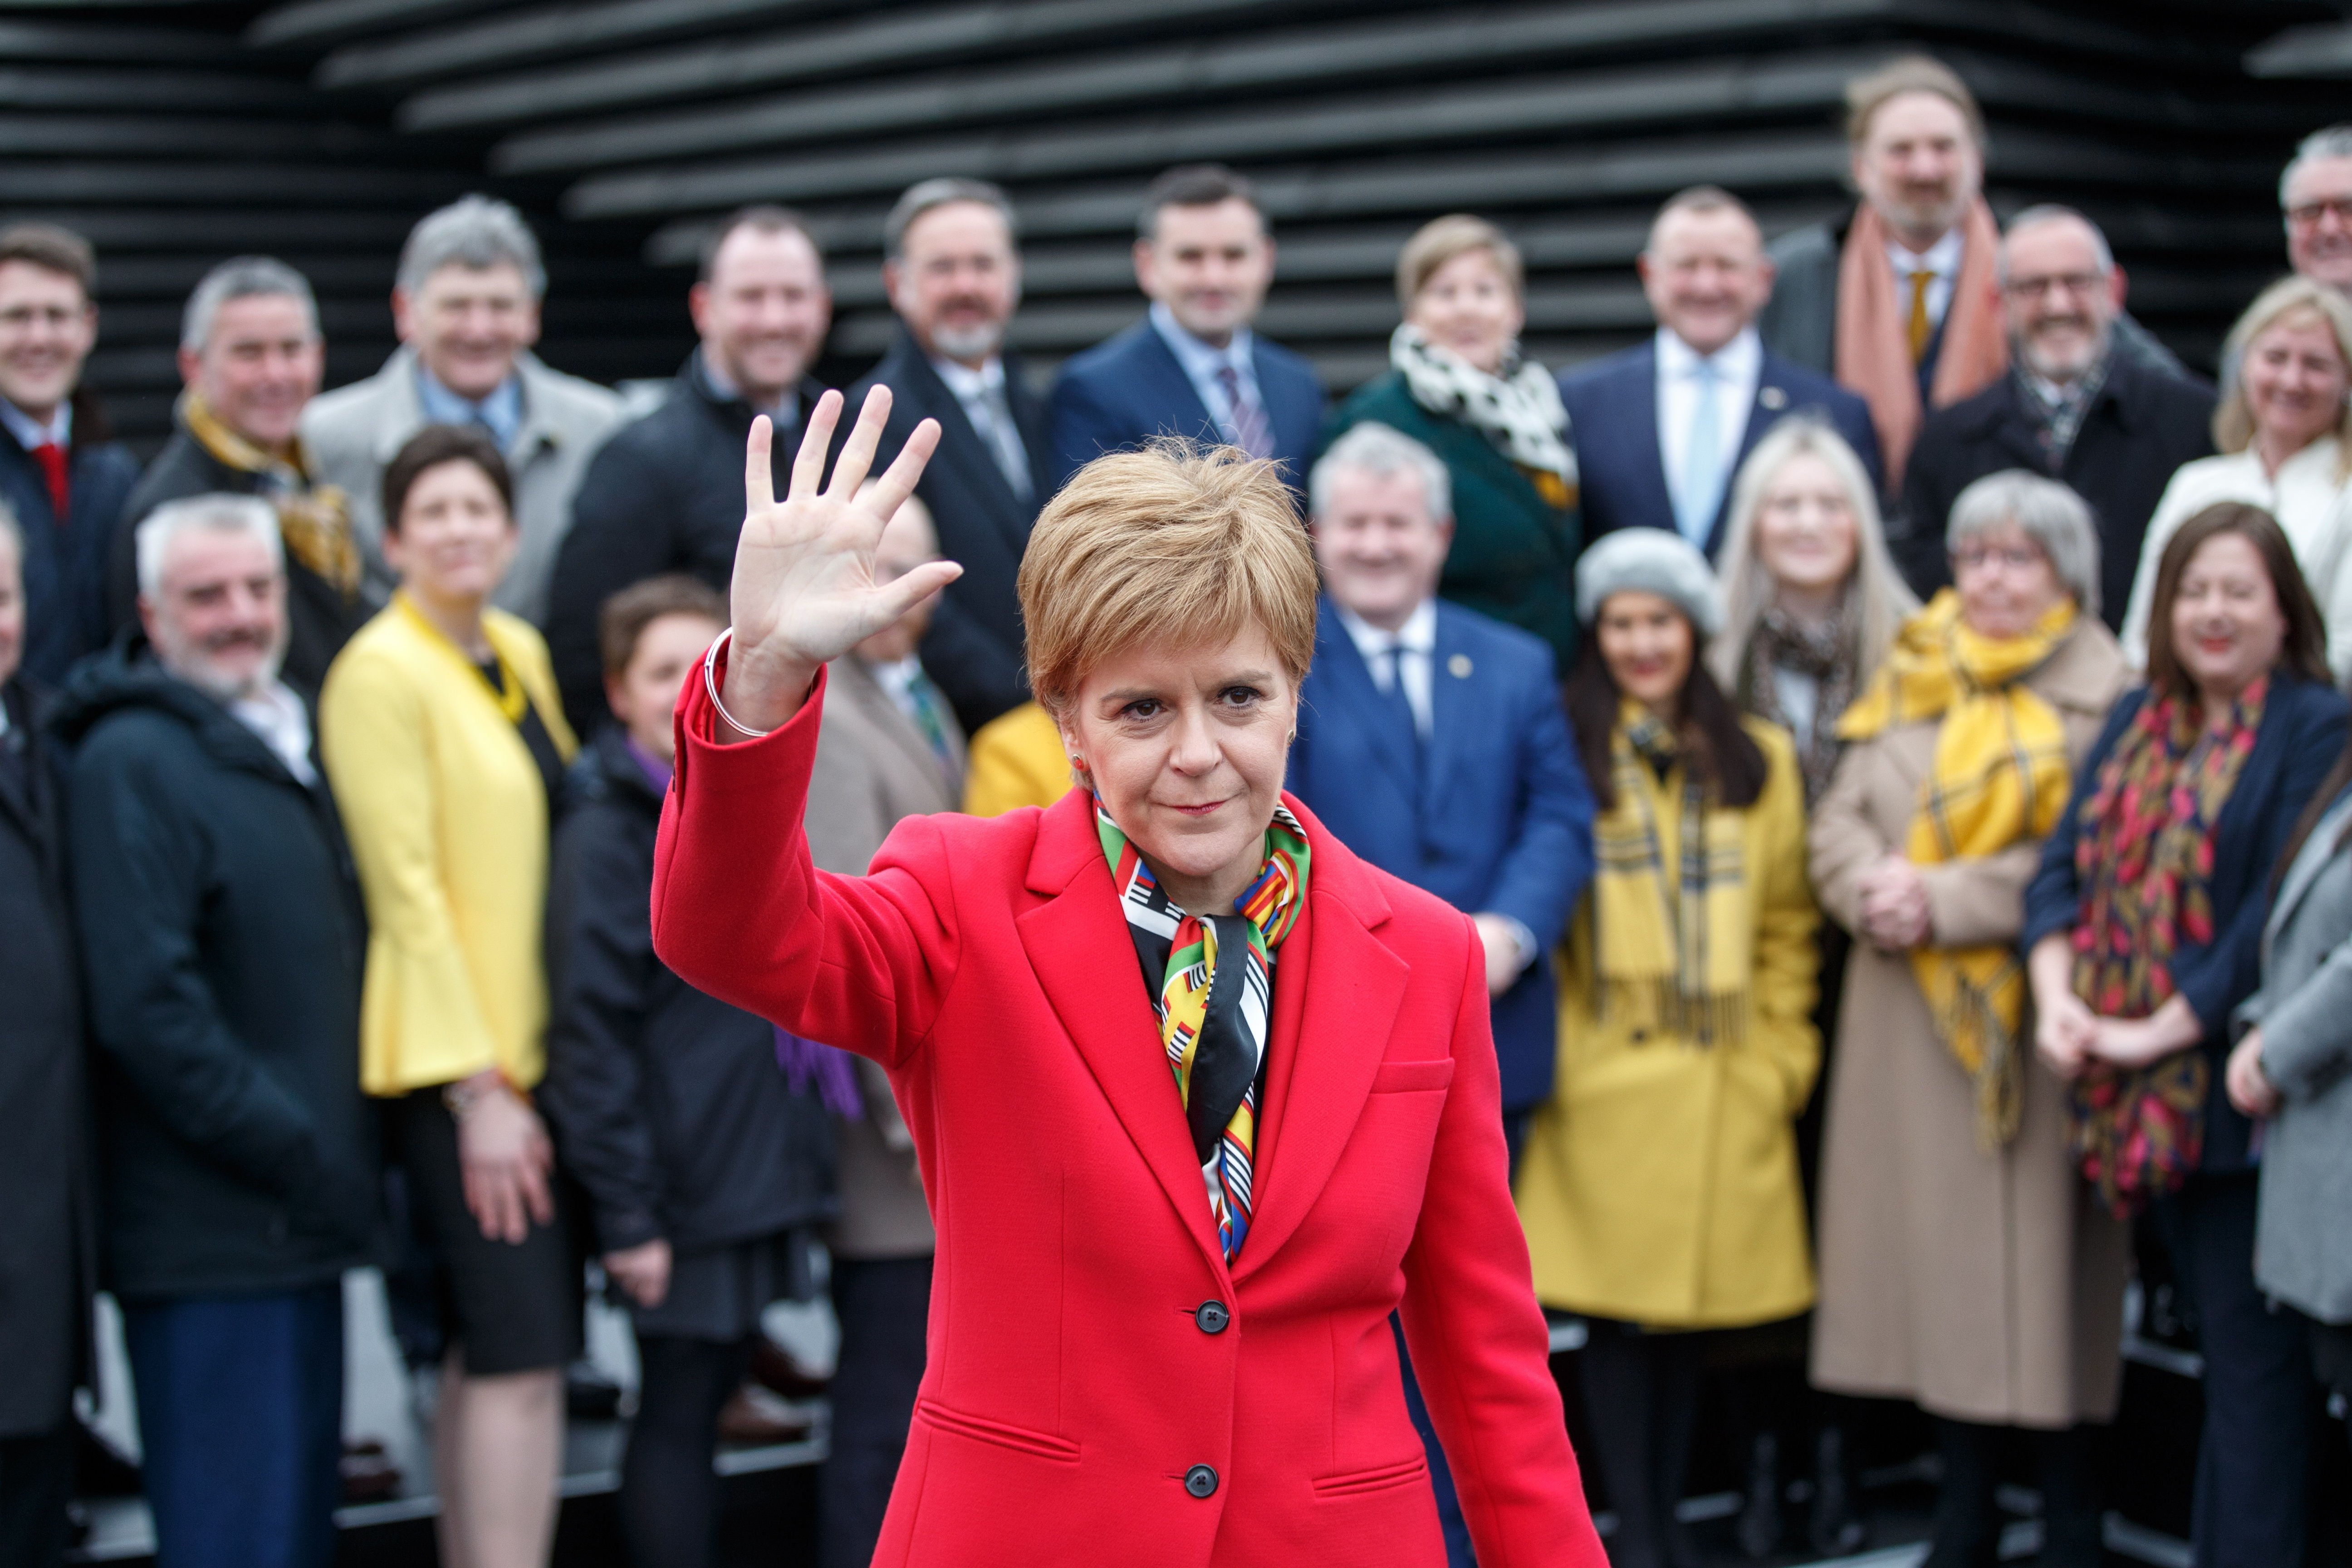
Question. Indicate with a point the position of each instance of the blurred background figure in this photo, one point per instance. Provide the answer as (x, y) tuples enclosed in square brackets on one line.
[(1662, 427), (952, 270), (1458, 385), (1015, 760), (46, 1264), (251, 356), (664, 493), (707, 1175), (2073, 405), (888, 748), (1659, 1184), (2315, 203), (60, 472), (447, 746), (1194, 367), (466, 309), (1964, 1265), (2285, 430), (2144, 929), (223, 938), (1811, 606)]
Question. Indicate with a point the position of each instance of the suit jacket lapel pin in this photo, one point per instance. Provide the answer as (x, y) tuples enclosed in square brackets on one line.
[(1772, 397), (1458, 667)]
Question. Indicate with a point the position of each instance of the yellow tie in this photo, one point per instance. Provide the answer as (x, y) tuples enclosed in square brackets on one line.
[(1921, 328)]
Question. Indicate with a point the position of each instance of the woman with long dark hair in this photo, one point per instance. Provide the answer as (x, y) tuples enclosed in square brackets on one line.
[(1659, 1184)]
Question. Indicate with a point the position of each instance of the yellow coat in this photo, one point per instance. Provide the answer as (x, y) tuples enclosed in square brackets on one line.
[(447, 822), (1016, 759), (1659, 1183)]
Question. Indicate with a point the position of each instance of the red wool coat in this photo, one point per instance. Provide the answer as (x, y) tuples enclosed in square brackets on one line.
[(1100, 1389)]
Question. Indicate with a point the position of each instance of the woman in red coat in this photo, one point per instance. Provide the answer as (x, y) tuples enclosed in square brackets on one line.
[(1183, 1166)]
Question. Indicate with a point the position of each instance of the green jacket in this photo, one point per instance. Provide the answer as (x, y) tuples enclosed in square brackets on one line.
[(1513, 556)]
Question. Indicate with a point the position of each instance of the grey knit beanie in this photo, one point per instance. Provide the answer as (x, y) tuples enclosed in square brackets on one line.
[(1654, 560)]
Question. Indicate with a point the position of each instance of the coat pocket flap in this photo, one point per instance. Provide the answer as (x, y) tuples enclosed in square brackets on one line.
[(1399, 1077), (1379, 1477), (1021, 1439)]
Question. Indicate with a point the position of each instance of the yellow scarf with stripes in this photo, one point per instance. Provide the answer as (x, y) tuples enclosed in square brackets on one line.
[(1999, 777)]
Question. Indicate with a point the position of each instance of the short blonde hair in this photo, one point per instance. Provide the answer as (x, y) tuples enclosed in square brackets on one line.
[(1175, 544), (1866, 94), (1440, 240), (2233, 418)]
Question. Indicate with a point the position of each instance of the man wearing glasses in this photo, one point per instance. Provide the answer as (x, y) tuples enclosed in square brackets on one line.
[(2073, 405), (2316, 198)]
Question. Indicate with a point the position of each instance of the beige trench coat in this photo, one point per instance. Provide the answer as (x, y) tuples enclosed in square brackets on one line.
[(1987, 1287)]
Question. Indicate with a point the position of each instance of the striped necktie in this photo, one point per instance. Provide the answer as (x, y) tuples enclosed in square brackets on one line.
[(1249, 428)]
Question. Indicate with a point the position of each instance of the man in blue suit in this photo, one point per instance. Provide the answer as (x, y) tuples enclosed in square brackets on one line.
[(1432, 742), (1661, 429), (1192, 367)]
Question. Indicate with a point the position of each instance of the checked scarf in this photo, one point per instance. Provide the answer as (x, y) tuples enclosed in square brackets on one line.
[(315, 520), (1999, 777), (1674, 952), (1211, 985), (2143, 860)]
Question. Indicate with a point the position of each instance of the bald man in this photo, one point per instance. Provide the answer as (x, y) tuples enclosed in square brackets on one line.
[(2073, 404)]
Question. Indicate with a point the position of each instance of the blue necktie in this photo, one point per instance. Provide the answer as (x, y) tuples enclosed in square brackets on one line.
[(1400, 706), (1701, 493)]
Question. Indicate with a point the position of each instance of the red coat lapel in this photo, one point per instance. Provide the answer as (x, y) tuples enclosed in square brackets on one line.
[(1077, 944)]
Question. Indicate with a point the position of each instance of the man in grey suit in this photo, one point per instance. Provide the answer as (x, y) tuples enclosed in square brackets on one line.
[(889, 748), (466, 305)]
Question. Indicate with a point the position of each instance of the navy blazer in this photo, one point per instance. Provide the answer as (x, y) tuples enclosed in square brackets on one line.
[(1613, 418), (974, 648), (1499, 819), (1122, 391), (2301, 735)]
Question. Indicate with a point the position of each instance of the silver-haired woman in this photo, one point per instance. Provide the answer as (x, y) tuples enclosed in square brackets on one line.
[(1964, 1264)]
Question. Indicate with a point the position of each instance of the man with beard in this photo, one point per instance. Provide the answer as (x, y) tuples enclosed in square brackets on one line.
[(2071, 406), (954, 279), (2315, 200), (1898, 299), (223, 938), (666, 493), (1194, 367)]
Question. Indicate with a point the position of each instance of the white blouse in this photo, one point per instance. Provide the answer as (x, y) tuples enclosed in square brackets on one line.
[(2312, 505)]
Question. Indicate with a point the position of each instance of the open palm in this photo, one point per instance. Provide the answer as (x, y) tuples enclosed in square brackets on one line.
[(805, 589)]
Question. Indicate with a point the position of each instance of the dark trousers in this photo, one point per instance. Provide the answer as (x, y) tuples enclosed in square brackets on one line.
[(1968, 1520), (240, 1426), (670, 1492), (882, 1304), (1641, 1393), (1441, 1476), (2250, 1459), (36, 1483)]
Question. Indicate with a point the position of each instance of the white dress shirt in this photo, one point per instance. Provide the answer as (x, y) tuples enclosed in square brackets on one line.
[(277, 716), (1202, 364), (981, 394), (1416, 646), (1739, 366), (30, 432), (2314, 508), (1942, 258)]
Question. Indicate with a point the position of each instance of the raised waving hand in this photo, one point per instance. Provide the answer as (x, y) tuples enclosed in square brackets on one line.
[(804, 591)]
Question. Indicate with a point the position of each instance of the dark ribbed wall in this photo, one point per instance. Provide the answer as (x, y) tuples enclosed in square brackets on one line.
[(321, 129)]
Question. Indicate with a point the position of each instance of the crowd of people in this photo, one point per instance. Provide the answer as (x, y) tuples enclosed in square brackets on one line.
[(1885, 728)]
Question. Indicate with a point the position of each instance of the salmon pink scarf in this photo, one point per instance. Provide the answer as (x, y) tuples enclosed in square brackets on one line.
[(1874, 351)]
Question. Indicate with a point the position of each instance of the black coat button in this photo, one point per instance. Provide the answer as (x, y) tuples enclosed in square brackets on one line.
[(1211, 1317), (1199, 1480)]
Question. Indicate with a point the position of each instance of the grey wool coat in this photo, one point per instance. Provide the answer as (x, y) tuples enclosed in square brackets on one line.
[(2303, 1240), (874, 767), (1987, 1287)]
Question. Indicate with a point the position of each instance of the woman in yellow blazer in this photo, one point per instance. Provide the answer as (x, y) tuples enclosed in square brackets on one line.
[(446, 743), (1659, 1184)]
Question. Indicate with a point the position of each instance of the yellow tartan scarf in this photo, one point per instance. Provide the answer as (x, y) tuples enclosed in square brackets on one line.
[(1674, 951), (314, 519), (1999, 777)]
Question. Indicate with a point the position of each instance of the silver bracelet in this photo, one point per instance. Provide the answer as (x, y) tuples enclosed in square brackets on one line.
[(710, 685)]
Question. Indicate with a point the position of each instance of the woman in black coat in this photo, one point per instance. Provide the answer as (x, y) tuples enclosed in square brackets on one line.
[(703, 1166)]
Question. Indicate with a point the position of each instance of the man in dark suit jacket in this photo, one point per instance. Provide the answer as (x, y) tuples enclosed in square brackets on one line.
[(1661, 429), (1194, 367), (666, 493), (954, 278), (1431, 742), (2076, 406)]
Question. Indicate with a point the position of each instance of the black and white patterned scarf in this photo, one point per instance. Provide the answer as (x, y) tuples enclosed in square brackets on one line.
[(1519, 411)]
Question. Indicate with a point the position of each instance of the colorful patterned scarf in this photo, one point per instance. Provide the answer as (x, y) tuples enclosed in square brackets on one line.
[(2143, 860), (1672, 952), (315, 520), (1999, 777), (1215, 1035)]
